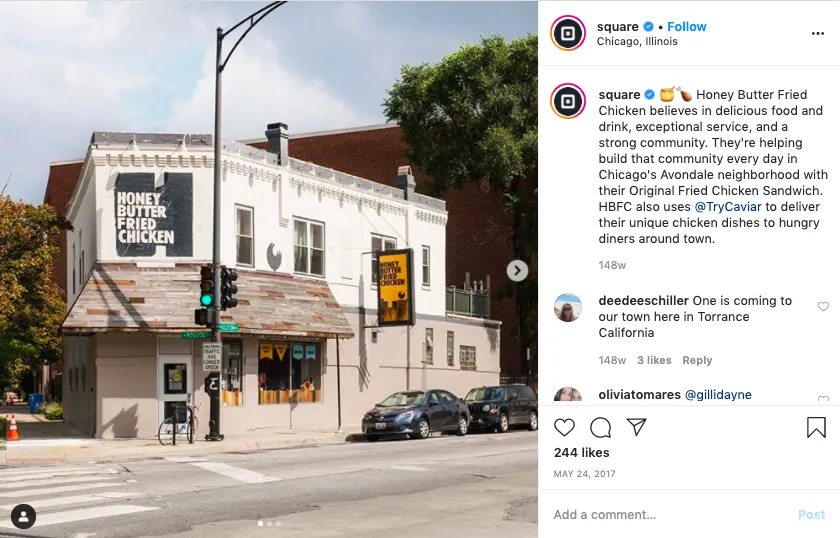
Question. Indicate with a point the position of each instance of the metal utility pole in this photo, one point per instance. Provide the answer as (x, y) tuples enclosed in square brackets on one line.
[(253, 19)]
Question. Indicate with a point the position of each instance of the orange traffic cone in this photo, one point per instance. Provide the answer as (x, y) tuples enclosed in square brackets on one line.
[(13, 431)]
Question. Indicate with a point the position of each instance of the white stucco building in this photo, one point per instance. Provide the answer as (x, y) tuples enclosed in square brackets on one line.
[(301, 238)]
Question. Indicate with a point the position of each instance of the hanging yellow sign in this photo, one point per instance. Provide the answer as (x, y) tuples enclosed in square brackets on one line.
[(281, 350), (396, 287), (266, 351)]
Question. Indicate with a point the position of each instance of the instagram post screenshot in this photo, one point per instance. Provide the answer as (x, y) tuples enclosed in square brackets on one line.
[(270, 269), (688, 306)]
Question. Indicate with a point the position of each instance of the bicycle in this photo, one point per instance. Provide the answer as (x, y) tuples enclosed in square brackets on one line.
[(173, 426)]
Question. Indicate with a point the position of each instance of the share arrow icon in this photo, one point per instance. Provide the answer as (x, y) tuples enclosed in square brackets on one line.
[(637, 423)]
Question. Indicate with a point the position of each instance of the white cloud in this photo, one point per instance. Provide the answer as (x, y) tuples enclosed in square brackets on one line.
[(70, 68), (257, 91), (76, 67)]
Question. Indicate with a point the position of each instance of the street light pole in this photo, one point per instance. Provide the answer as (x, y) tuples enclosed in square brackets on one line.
[(216, 395)]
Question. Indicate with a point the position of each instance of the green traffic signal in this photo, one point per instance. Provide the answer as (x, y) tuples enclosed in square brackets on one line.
[(206, 286)]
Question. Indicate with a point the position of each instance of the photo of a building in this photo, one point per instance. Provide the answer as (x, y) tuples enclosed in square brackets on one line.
[(303, 240)]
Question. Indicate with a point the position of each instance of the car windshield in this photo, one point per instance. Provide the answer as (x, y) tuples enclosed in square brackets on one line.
[(485, 393), (400, 399)]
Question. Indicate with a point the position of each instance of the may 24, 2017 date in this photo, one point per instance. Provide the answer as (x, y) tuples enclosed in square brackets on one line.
[(584, 473)]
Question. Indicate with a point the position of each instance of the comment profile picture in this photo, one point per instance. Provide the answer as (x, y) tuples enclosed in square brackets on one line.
[(568, 101), (568, 33), (567, 307)]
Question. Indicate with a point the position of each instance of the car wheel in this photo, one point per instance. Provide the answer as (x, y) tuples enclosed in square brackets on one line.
[(463, 426), (504, 424), (424, 431), (532, 421), (372, 438)]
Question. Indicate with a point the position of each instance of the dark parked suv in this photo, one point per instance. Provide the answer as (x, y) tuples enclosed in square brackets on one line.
[(499, 408)]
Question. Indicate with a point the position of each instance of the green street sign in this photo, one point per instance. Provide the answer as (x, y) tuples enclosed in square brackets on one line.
[(196, 335), (228, 327)]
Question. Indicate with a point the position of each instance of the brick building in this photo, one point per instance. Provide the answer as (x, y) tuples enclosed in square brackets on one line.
[(478, 234)]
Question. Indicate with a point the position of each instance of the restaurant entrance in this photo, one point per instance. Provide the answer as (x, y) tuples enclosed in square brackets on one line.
[(175, 375)]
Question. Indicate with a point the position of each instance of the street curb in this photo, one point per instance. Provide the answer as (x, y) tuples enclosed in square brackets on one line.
[(160, 454)]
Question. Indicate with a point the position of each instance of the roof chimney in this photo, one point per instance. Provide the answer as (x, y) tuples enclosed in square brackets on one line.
[(278, 141), (405, 181)]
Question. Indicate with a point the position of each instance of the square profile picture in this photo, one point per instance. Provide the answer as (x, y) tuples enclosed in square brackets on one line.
[(567, 307)]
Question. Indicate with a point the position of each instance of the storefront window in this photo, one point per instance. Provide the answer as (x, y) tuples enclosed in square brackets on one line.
[(290, 370), (232, 373)]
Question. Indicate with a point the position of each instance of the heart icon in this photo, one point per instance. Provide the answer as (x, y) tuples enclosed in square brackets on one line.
[(564, 426), (823, 306)]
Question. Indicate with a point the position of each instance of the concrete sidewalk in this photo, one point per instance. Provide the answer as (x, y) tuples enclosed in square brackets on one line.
[(44, 442)]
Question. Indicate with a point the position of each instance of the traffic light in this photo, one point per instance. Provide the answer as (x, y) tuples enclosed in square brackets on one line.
[(201, 317), (206, 298), (229, 289)]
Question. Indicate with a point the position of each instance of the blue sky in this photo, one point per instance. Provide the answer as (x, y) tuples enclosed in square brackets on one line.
[(567, 298), (78, 67)]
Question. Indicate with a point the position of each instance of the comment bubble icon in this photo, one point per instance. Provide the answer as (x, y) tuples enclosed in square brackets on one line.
[(601, 428)]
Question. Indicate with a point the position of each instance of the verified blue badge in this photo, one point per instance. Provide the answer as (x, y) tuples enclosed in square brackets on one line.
[(648, 26), (649, 94)]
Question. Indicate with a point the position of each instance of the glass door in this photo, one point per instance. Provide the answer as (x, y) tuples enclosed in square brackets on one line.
[(174, 384)]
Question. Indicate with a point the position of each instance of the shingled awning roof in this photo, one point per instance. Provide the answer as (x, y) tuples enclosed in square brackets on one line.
[(122, 297)]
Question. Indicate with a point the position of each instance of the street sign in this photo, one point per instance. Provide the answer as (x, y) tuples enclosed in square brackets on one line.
[(228, 327), (195, 335), (212, 356), (211, 384)]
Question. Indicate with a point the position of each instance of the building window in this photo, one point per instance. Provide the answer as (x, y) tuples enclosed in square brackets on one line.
[(379, 243), (468, 358), (74, 267), (450, 348), (232, 363), (81, 270), (244, 236), (427, 262), (309, 248), (290, 371), (430, 347)]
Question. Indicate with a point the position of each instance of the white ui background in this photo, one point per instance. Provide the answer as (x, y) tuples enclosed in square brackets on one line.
[(744, 467)]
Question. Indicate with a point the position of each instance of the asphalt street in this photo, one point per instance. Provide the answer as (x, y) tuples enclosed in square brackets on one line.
[(478, 485)]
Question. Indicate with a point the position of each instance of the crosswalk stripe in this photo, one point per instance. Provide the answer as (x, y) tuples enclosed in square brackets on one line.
[(75, 499), (243, 475), (36, 476), (37, 470), (70, 516), (19, 493), (44, 482)]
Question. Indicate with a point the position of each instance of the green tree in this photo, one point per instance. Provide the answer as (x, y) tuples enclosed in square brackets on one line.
[(31, 304), (472, 118)]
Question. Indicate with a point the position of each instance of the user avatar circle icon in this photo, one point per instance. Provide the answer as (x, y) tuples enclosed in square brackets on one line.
[(568, 101), (23, 516), (568, 32)]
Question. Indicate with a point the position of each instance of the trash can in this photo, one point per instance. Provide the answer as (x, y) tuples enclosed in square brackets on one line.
[(34, 401)]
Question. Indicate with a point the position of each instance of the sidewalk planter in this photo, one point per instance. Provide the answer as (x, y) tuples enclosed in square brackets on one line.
[(52, 411)]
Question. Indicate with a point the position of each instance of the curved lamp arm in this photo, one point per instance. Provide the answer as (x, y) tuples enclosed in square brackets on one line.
[(254, 19)]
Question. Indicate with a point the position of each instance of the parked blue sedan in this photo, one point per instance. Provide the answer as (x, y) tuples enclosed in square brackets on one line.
[(417, 414)]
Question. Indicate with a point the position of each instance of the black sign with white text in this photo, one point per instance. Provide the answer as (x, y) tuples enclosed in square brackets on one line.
[(147, 217)]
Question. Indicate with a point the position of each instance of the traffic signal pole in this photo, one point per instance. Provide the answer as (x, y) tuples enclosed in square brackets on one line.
[(216, 395), (215, 310)]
